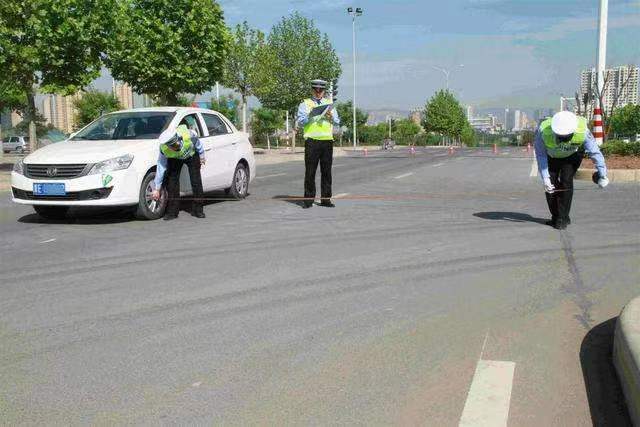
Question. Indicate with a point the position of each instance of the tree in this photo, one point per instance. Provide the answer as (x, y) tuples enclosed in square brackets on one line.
[(42, 127), (228, 107), (92, 105), (345, 112), (445, 115), (296, 53), (609, 87), (165, 48), (243, 64), (403, 131), (625, 121), (54, 44), (265, 122)]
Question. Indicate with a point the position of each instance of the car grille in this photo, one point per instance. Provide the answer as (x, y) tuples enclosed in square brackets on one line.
[(96, 194), (55, 171)]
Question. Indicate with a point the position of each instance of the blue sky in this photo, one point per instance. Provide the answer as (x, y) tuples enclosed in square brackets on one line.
[(520, 53)]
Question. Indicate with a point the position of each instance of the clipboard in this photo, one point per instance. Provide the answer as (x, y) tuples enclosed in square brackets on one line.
[(320, 110)]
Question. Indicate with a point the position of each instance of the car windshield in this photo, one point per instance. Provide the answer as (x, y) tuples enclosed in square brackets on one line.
[(127, 125)]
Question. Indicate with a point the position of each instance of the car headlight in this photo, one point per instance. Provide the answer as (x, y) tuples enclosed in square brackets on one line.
[(115, 164), (18, 167)]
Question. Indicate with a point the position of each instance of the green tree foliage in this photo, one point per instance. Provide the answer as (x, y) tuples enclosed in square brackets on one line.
[(92, 105), (265, 122), (404, 131), (626, 121), (56, 44), (345, 112), (243, 64), (445, 115), (168, 47), (42, 127), (297, 52), (12, 97), (228, 107)]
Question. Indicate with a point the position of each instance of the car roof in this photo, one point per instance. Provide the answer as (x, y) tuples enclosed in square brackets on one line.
[(166, 110)]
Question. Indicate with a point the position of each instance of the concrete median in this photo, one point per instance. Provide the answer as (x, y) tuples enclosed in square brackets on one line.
[(626, 356)]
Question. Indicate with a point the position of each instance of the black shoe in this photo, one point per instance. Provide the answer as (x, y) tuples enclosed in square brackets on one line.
[(199, 214), (568, 221), (551, 223), (560, 225), (328, 204), (306, 205), (170, 217)]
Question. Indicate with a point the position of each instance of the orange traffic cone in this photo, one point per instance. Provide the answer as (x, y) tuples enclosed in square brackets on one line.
[(495, 148), (366, 151)]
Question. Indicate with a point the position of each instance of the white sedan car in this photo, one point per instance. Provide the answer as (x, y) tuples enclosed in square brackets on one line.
[(112, 162)]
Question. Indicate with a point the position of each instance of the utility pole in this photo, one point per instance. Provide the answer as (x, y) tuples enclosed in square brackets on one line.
[(601, 65), (354, 14), (218, 93)]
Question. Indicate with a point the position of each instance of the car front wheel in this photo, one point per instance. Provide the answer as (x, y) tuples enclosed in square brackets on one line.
[(147, 207), (240, 184)]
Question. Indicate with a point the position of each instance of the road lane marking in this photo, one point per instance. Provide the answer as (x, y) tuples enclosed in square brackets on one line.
[(534, 168), (489, 395), (270, 176), (48, 241), (404, 175), (341, 195), (438, 165)]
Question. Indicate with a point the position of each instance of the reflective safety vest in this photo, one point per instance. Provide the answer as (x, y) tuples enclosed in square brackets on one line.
[(318, 127), (187, 150), (560, 150)]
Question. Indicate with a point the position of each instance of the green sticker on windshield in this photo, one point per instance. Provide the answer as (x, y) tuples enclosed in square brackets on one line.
[(106, 179)]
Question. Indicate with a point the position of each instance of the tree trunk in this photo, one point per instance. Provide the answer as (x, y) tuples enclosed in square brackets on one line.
[(244, 113), (171, 99), (31, 117), (1, 148)]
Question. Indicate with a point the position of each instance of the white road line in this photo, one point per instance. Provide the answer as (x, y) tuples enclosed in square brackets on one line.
[(404, 175), (270, 176), (534, 168), (48, 241), (490, 394), (437, 165), (341, 195)]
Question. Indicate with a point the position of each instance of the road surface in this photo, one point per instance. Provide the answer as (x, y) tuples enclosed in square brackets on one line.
[(432, 295)]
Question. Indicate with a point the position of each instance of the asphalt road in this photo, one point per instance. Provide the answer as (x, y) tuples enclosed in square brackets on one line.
[(432, 295)]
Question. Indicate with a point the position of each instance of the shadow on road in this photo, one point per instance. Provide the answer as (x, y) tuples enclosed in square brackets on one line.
[(294, 200), (509, 216), (606, 400)]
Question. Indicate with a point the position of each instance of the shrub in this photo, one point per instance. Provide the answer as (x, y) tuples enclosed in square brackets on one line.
[(621, 148)]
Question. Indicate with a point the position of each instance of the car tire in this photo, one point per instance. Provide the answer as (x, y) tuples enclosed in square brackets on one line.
[(146, 209), (51, 212), (240, 184)]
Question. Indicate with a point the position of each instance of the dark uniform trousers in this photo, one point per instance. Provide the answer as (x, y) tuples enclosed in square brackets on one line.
[(174, 166), (317, 151), (562, 172)]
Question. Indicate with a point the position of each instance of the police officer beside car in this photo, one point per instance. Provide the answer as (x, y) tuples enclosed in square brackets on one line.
[(182, 148), (318, 146)]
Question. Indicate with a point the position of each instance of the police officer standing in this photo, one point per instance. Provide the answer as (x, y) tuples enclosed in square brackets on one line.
[(318, 145), (561, 143), (182, 148)]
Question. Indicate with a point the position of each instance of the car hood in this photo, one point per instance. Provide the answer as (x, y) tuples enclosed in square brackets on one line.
[(88, 151)]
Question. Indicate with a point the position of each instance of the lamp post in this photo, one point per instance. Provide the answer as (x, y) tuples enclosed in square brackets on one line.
[(598, 128), (446, 72), (354, 13)]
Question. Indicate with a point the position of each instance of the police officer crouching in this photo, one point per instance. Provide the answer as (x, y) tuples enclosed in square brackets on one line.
[(182, 148), (318, 145), (561, 143)]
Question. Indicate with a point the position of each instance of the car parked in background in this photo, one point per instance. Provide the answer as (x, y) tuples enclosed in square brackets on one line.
[(19, 144), (112, 162)]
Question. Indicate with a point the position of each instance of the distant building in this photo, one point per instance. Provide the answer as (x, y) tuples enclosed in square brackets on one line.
[(416, 116), (469, 112), (59, 111), (616, 78), (141, 101), (123, 92)]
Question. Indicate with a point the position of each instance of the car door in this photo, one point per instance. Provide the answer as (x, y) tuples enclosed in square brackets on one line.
[(222, 153), (193, 123)]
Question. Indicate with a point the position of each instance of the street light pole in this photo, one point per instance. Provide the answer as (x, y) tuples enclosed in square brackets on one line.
[(598, 130), (354, 12), (446, 73)]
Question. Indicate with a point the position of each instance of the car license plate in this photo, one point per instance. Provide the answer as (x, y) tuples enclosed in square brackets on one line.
[(49, 189)]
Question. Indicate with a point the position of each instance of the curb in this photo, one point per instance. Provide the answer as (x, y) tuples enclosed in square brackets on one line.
[(614, 175), (626, 356)]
